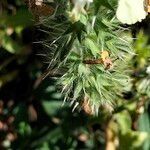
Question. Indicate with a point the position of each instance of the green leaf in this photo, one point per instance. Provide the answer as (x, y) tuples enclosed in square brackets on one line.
[(51, 107), (10, 45), (93, 47), (24, 128), (124, 121), (132, 140), (22, 18), (144, 125)]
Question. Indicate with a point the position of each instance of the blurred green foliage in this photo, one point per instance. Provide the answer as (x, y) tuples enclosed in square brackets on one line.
[(31, 112)]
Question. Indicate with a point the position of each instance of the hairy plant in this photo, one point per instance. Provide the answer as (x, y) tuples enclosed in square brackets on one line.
[(88, 49)]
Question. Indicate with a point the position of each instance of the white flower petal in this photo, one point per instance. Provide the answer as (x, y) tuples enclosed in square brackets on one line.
[(131, 11)]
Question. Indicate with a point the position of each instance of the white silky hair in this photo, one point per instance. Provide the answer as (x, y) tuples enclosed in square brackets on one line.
[(131, 11)]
